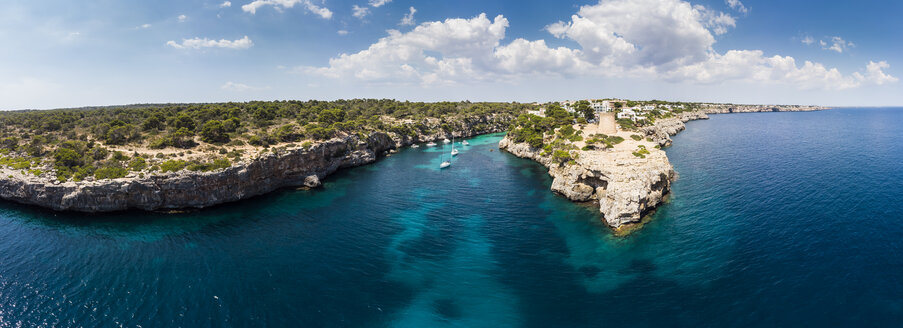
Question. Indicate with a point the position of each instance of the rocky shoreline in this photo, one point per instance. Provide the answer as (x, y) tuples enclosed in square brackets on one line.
[(626, 188), (247, 178)]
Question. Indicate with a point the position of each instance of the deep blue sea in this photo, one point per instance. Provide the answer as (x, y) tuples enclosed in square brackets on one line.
[(778, 219)]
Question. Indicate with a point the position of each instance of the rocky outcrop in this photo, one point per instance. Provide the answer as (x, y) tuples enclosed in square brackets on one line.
[(625, 187), (244, 179), (663, 129)]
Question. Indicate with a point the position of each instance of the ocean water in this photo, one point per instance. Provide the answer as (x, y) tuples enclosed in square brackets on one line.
[(778, 219)]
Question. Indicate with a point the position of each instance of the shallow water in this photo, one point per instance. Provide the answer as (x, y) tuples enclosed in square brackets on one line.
[(789, 219)]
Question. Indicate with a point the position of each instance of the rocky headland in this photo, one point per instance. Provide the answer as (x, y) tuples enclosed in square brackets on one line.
[(626, 187), (292, 166)]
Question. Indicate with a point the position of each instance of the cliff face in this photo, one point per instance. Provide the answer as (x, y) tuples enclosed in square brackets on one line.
[(663, 129), (185, 189), (626, 187)]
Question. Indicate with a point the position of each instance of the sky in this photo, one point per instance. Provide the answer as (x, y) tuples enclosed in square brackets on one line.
[(63, 53)]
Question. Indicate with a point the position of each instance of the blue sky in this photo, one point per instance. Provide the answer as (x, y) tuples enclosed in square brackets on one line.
[(81, 53)]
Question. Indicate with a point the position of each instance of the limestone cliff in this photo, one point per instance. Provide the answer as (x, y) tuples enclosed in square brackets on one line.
[(626, 187), (247, 178), (663, 129)]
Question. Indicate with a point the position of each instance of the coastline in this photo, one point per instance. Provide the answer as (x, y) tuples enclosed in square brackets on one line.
[(299, 166), (627, 188)]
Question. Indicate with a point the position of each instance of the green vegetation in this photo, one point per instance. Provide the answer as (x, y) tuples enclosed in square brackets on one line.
[(110, 142), (641, 151), (636, 137), (605, 141), (553, 133)]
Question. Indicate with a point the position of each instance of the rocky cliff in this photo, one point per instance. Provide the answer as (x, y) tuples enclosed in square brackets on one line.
[(247, 178), (626, 187), (663, 129)]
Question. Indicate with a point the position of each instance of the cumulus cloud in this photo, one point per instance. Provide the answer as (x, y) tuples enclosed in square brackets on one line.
[(225, 4), (465, 46), (342, 32), (198, 43), (641, 32), (144, 26), (378, 3), (737, 5), (669, 40), (876, 75), (283, 4), (182, 18), (408, 18), (359, 12)]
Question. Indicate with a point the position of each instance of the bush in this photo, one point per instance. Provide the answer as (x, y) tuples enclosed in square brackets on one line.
[(561, 156), (137, 164), (216, 164), (173, 166), (636, 137), (110, 172), (67, 157), (214, 132), (119, 156), (256, 141)]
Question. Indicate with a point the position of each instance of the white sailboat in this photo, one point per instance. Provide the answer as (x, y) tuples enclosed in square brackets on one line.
[(454, 151), (431, 144), (445, 163), (465, 143), (446, 140)]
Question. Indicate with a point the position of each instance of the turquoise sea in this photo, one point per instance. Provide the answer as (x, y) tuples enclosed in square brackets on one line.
[(778, 219)]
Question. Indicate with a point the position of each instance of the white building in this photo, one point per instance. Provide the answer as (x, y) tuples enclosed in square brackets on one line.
[(627, 115), (604, 106), (649, 107)]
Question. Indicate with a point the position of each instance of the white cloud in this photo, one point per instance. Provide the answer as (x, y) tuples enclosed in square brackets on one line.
[(808, 40), (282, 4), (240, 87), (359, 12), (664, 32), (737, 5), (408, 18), (198, 43), (378, 3), (143, 26), (838, 44), (226, 4), (342, 32), (182, 18), (671, 40), (876, 75), (466, 47)]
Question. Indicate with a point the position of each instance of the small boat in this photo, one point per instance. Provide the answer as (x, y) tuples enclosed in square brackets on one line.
[(446, 141), (454, 151), (465, 143), (431, 144), (444, 164), (415, 146)]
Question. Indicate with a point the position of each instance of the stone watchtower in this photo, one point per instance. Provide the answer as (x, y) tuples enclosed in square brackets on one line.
[(607, 124)]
